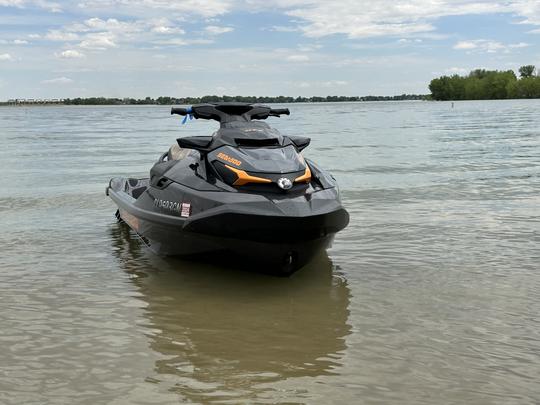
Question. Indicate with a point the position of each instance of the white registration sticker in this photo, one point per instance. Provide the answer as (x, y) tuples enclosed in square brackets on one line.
[(185, 211)]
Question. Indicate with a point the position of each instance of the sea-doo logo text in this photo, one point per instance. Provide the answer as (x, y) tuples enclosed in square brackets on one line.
[(229, 159), (167, 205)]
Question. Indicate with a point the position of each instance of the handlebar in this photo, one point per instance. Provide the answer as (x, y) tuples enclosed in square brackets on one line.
[(227, 112), (279, 111), (181, 110)]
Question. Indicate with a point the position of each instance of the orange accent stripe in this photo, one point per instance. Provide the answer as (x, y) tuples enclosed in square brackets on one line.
[(306, 177), (244, 178)]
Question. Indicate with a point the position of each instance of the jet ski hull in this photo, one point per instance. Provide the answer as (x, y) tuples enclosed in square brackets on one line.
[(263, 234)]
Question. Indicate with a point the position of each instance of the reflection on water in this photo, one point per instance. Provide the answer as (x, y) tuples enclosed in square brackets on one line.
[(223, 333)]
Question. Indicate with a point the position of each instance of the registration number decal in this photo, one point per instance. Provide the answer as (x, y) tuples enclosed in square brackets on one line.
[(184, 209)]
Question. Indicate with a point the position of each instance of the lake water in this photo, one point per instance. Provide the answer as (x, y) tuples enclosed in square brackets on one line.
[(431, 295)]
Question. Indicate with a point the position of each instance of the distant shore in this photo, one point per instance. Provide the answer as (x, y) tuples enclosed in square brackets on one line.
[(207, 99)]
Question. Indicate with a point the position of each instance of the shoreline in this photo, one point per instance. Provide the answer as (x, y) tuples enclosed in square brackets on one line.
[(208, 99), (186, 104)]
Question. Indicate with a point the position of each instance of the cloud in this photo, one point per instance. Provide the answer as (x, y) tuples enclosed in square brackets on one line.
[(314, 18), (162, 29), (70, 54), (14, 42), (204, 8), (455, 71), (100, 34), (184, 42), (215, 30), (58, 80), (43, 4), (112, 25), (487, 46), (404, 41), (12, 3), (282, 28), (519, 45), (298, 58), (57, 35), (318, 84), (48, 5), (466, 45), (364, 19), (98, 41), (164, 26), (334, 83), (5, 57)]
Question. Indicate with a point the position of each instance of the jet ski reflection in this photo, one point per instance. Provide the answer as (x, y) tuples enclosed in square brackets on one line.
[(222, 335)]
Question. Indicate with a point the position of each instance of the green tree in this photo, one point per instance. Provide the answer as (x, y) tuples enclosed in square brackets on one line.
[(527, 71), (480, 84)]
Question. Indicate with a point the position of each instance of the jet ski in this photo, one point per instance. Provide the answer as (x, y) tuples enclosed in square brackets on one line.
[(244, 194)]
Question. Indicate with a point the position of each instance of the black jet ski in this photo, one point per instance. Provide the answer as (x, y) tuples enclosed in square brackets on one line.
[(243, 193)]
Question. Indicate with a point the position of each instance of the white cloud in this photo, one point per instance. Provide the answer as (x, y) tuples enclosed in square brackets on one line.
[(320, 85), (20, 42), (404, 41), (162, 29), (12, 3), (57, 35), (455, 71), (101, 34), (47, 5), (298, 58), (70, 54), (282, 28), (58, 80), (315, 18), (204, 8), (334, 83), (5, 57), (216, 30), (184, 42), (466, 45), (111, 25), (361, 19), (519, 45), (487, 46), (98, 41), (364, 18)]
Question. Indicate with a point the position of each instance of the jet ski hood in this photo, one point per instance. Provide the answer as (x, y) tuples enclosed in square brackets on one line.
[(255, 147)]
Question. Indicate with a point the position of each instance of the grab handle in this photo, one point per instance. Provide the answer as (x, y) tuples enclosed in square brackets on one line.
[(181, 110)]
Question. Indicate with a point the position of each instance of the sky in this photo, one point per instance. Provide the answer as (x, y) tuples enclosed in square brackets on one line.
[(139, 48)]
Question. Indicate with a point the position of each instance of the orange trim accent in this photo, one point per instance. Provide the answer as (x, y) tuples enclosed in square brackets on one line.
[(244, 178), (306, 177)]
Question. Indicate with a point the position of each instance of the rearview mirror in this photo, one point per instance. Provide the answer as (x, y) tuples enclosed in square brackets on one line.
[(301, 142), (200, 143)]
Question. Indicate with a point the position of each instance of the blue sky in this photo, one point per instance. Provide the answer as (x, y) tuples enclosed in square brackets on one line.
[(138, 48)]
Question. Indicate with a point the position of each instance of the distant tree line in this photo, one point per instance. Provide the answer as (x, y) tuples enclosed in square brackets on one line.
[(245, 99), (483, 84)]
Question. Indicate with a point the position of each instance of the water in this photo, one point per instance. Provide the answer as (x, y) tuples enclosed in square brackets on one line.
[(431, 295)]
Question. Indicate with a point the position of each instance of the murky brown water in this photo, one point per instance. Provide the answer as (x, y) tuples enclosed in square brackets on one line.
[(431, 295)]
